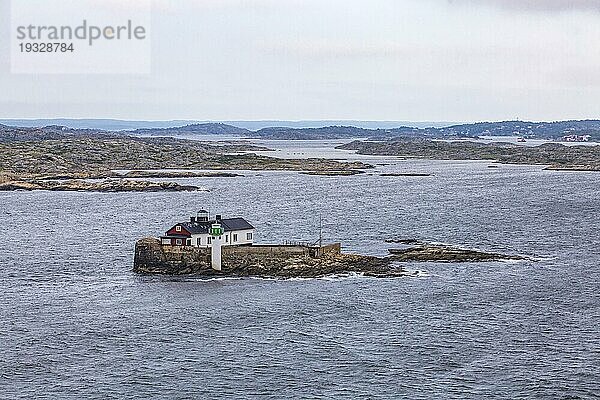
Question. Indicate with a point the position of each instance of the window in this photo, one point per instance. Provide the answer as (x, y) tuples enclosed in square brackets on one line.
[(235, 237), (249, 236), (178, 228), (226, 238), (178, 242), (209, 241), (199, 243)]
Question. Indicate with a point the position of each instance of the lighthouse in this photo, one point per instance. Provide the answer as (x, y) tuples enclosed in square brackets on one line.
[(216, 231)]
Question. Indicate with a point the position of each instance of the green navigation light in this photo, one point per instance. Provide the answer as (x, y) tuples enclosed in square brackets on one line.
[(217, 231)]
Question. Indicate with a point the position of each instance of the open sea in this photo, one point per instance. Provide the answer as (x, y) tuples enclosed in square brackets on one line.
[(77, 323)]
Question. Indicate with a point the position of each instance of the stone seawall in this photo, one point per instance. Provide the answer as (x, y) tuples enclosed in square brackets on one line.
[(281, 250), (258, 260)]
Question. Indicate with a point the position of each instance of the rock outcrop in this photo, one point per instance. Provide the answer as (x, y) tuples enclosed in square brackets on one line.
[(416, 250), (440, 253)]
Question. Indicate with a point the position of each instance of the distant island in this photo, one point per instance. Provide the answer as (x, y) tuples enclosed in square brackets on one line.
[(588, 129)]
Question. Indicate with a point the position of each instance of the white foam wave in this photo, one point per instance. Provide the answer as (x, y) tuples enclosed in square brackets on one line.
[(335, 277), (543, 258), (219, 279), (329, 278)]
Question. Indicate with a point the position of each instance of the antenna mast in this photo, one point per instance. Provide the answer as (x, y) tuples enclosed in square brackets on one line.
[(320, 229)]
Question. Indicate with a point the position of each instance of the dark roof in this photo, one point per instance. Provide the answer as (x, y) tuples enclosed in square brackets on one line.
[(236, 224), (229, 224), (196, 228)]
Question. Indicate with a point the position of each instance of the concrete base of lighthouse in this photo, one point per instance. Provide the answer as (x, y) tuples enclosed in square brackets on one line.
[(216, 253)]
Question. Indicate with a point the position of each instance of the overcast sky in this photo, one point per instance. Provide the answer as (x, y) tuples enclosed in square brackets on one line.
[(418, 60)]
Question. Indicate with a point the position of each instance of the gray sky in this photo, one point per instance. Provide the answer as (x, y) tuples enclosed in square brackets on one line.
[(419, 60)]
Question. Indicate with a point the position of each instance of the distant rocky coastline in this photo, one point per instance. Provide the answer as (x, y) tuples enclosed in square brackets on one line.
[(552, 155), (534, 130)]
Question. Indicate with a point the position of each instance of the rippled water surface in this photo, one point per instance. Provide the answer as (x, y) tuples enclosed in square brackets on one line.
[(77, 323)]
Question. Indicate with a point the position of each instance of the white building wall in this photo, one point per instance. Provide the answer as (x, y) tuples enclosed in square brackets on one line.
[(226, 239), (203, 240), (242, 237)]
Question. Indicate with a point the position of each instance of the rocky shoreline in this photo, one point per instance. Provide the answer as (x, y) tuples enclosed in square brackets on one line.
[(154, 259)]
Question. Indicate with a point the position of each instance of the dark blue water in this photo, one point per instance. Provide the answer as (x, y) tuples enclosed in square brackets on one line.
[(77, 323)]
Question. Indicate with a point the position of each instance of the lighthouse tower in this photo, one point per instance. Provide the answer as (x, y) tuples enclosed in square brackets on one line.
[(216, 231)]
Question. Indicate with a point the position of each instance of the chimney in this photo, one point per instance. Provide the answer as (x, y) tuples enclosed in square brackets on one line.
[(193, 219), (218, 217)]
